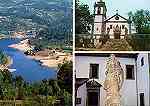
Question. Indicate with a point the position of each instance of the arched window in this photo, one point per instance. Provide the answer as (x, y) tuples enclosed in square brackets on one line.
[(110, 26), (98, 10), (97, 29)]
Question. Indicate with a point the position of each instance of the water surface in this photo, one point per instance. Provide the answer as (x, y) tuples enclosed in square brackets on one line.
[(29, 69)]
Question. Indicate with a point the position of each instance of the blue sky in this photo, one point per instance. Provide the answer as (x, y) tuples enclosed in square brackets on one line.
[(123, 6)]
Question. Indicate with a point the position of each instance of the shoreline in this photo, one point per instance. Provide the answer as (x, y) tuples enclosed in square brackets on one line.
[(21, 46), (50, 61)]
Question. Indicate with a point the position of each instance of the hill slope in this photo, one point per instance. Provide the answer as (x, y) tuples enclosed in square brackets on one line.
[(55, 15)]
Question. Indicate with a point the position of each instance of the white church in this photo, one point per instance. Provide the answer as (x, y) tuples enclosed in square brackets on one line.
[(115, 24), (90, 75)]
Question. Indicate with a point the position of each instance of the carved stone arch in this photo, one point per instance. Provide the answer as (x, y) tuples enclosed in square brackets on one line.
[(93, 85)]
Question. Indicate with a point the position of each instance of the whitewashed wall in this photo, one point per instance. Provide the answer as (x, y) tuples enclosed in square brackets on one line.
[(98, 24), (128, 92), (143, 78), (81, 93), (133, 29), (115, 24)]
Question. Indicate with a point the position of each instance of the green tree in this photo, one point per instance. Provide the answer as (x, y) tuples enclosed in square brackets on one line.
[(67, 98), (144, 40), (55, 86), (64, 76), (28, 89), (51, 100), (36, 89), (83, 18), (7, 90), (141, 20), (19, 84)]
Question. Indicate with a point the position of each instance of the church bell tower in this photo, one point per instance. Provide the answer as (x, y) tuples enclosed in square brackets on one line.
[(99, 17)]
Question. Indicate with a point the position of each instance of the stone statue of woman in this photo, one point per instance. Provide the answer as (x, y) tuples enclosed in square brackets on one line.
[(113, 82)]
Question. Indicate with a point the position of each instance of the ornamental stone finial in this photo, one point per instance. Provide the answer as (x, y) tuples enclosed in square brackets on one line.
[(116, 11)]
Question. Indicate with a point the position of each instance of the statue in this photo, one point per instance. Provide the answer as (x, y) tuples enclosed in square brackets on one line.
[(113, 82)]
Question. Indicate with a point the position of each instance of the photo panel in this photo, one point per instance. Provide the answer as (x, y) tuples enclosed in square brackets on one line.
[(36, 52), (112, 25), (105, 79)]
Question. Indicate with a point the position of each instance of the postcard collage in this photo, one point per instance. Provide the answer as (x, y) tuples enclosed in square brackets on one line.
[(74, 52)]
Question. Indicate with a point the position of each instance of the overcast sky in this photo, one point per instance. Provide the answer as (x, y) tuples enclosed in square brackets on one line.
[(123, 6)]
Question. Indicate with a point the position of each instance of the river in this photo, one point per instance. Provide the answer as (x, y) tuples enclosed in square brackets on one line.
[(29, 69)]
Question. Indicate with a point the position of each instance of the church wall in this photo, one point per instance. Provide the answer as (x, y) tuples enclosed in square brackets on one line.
[(97, 28), (143, 76), (98, 18), (98, 24), (102, 96), (115, 24), (133, 29), (81, 93), (128, 90), (82, 64)]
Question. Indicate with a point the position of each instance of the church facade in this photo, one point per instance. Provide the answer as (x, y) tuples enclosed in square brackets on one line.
[(90, 74), (114, 25)]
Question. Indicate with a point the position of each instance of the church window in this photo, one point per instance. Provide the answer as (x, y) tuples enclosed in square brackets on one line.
[(97, 29), (142, 99), (129, 71), (123, 26), (94, 70), (110, 26), (142, 61), (98, 11)]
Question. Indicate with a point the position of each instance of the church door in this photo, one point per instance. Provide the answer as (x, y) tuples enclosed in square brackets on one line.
[(117, 32), (93, 93), (93, 98)]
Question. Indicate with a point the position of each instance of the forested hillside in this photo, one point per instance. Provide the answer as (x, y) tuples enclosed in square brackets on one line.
[(21, 15)]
